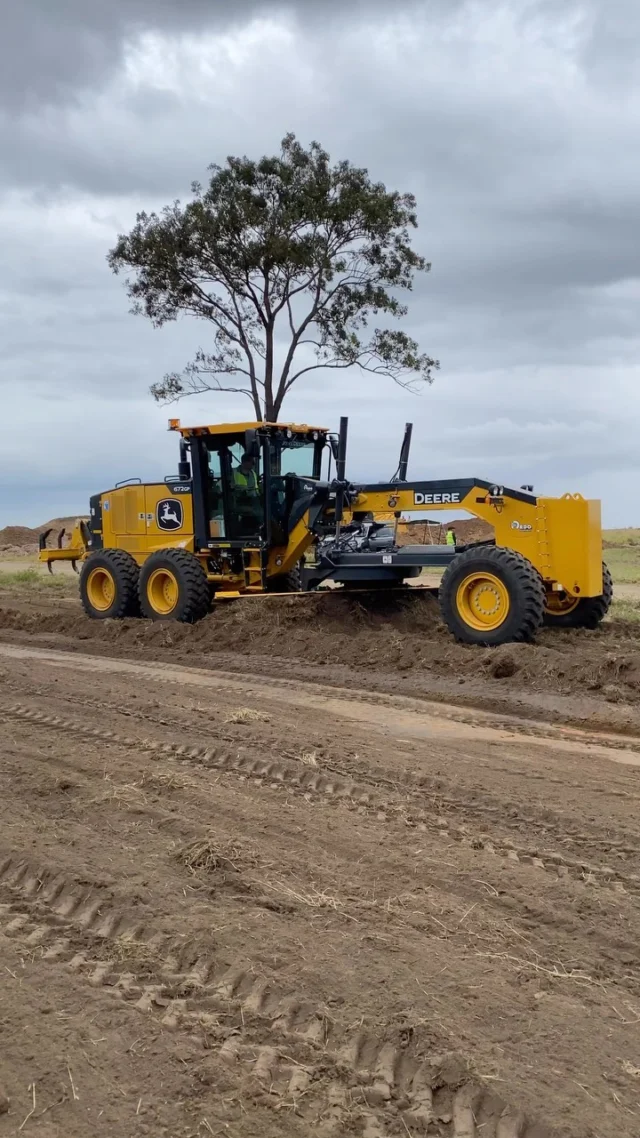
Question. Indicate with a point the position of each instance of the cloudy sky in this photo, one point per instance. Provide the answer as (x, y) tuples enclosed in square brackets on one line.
[(516, 124)]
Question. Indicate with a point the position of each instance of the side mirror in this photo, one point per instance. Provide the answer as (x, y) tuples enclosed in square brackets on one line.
[(252, 443), (334, 447)]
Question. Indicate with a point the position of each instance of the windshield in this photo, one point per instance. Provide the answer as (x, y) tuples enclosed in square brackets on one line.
[(296, 457)]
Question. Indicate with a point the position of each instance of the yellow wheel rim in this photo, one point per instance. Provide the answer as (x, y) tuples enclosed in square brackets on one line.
[(483, 601), (557, 604), (163, 591), (101, 589)]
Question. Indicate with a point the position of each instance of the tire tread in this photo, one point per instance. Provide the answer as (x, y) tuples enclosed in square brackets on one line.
[(196, 600), (126, 572), (529, 588), (589, 612)]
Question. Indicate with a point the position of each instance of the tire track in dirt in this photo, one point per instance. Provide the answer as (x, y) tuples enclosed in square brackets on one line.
[(477, 804), (483, 807), (340, 788), (434, 783), (251, 890), (417, 717), (338, 1076)]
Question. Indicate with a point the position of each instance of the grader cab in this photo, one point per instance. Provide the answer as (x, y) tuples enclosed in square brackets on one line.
[(259, 508)]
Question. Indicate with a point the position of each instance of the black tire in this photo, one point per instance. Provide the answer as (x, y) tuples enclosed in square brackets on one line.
[(118, 571), (186, 580), (290, 582), (521, 582), (589, 612)]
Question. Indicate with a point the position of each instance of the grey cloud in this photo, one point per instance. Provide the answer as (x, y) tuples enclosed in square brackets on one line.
[(50, 51), (525, 169)]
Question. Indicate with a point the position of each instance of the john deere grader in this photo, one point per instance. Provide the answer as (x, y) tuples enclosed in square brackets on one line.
[(259, 508)]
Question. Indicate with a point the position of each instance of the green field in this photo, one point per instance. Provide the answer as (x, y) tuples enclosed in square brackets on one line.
[(32, 577), (622, 554)]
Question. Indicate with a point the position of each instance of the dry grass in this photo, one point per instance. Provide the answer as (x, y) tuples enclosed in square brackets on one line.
[(134, 953), (312, 899), (128, 795), (625, 610), (211, 854), (309, 758), (159, 780), (248, 715)]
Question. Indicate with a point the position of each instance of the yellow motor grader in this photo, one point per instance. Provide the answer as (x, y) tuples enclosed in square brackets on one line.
[(259, 508)]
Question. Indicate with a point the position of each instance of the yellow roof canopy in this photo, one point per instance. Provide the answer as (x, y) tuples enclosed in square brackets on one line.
[(239, 428)]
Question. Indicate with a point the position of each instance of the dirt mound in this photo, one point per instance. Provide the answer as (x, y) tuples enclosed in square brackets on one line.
[(18, 540), (374, 634), (17, 537), (425, 533), (372, 631)]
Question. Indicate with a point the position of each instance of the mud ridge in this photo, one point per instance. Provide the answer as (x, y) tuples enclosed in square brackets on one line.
[(399, 634)]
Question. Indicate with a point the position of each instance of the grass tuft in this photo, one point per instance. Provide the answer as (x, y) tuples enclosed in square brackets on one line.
[(32, 579), (248, 715), (211, 854), (625, 610)]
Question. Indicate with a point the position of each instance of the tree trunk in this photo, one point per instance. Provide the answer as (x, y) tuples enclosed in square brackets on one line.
[(269, 410)]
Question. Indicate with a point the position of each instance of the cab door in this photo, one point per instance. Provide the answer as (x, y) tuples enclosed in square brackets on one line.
[(245, 515)]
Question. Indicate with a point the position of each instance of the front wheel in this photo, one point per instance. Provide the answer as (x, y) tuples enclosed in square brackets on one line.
[(490, 595), (565, 611), (173, 586), (290, 582)]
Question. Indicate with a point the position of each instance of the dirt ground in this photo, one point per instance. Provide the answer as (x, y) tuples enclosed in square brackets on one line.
[(312, 868)]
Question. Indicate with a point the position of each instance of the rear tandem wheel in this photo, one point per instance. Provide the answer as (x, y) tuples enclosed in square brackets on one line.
[(564, 611), (109, 585)]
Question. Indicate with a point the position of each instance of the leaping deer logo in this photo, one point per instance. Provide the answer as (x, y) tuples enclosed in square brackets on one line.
[(169, 514)]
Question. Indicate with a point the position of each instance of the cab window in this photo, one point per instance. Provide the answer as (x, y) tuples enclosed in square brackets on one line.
[(297, 456), (215, 497)]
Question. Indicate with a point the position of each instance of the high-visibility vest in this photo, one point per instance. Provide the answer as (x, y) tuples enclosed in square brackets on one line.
[(450, 539), (245, 481)]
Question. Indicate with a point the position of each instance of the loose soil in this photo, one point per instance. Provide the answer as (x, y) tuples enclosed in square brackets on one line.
[(373, 641), (254, 881)]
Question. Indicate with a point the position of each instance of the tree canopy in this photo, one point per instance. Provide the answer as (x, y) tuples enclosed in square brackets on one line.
[(288, 259)]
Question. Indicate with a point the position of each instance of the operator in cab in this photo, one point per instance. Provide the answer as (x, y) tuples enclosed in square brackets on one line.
[(246, 494), (244, 476)]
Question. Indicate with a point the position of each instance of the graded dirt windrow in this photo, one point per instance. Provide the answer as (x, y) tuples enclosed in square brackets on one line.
[(388, 644)]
